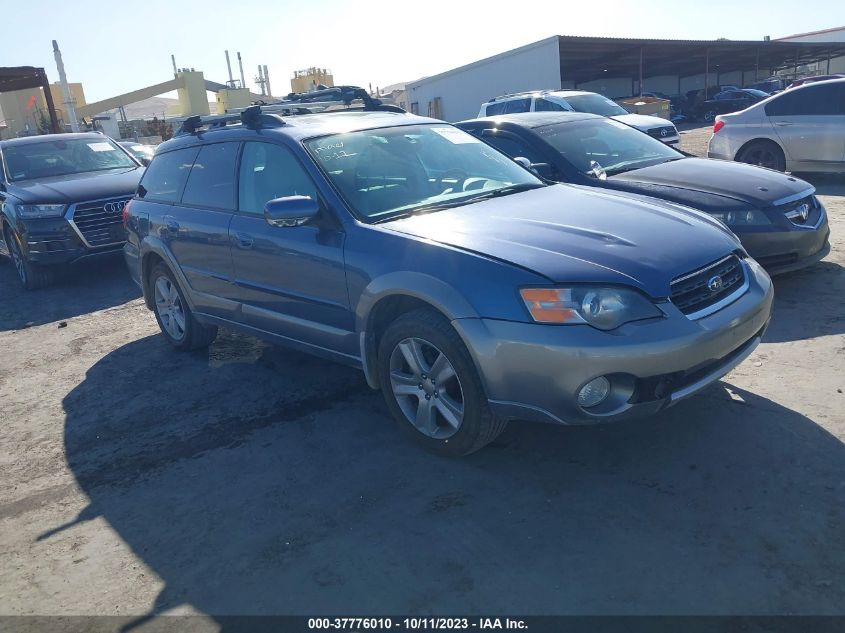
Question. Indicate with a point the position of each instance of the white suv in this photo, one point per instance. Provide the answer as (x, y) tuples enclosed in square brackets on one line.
[(800, 129), (579, 101)]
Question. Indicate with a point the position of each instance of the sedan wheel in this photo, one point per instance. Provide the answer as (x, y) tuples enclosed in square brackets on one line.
[(763, 154), (168, 305), (427, 388), (17, 258)]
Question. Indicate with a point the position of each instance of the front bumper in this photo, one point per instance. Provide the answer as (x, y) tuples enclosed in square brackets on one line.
[(784, 250), (534, 371), (53, 242)]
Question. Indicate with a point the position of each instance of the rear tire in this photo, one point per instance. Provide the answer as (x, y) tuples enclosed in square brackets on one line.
[(174, 316), (431, 386), (763, 154), (32, 276)]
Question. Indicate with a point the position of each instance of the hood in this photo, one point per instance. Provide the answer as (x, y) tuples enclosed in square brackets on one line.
[(749, 184), (642, 121), (78, 187), (580, 234)]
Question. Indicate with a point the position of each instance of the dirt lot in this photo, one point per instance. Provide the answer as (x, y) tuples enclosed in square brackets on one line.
[(249, 479)]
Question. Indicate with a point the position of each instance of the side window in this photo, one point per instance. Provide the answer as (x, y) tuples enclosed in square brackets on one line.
[(544, 105), (823, 99), (495, 108), (270, 171), (166, 175), (517, 105), (212, 180)]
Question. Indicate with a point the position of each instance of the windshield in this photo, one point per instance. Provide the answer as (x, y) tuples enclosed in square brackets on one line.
[(391, 172), (595, 104), (139, 151), (615, 146), (60, 157)]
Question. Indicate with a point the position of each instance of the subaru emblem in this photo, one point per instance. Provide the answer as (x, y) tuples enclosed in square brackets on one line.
[(714, 284)]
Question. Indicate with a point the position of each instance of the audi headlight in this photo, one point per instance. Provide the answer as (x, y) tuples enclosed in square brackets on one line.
[(746, 217), (603, 308), (40, 210)]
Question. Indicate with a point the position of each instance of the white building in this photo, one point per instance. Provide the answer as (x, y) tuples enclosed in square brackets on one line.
[(614, 67)]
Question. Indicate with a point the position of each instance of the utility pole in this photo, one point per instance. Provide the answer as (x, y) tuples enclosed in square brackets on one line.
[(241, 65), (267, 81), (68, 97), (231, 82)]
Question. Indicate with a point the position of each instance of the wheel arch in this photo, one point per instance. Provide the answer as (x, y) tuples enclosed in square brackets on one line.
[(153, 251), (388, 297), (760, 139)]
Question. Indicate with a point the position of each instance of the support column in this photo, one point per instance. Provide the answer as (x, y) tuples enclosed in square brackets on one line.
[(48, 97), (641, 71)]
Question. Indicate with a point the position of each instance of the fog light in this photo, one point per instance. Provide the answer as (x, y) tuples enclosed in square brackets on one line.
[(594, 392)]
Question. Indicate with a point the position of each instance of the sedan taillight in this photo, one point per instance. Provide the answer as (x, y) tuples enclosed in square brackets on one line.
[(126, 213), (718, 125)]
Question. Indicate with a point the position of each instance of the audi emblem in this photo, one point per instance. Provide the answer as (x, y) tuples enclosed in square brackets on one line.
[(714, 284), (114, 208)]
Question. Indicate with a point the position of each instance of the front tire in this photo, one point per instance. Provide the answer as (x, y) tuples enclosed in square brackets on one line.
[(31, 275), (174, 316), (431, 386), (763, 154)]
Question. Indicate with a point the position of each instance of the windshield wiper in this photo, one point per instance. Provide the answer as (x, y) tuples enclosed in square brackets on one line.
[(506, 191)]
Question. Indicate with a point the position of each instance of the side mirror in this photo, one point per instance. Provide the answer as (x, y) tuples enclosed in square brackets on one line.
[(290, 210), (543, 170)]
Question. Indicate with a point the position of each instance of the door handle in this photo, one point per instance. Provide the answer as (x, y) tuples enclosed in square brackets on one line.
[(782, 123), (244, 240)]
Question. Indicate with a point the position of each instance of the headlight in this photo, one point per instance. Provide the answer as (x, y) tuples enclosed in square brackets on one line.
[(603, 308), (749, 217), (40, 210)]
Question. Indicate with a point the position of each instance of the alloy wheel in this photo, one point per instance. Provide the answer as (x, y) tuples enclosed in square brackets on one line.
[(426, 388), (17, 257), (169, 308), (763, 158)]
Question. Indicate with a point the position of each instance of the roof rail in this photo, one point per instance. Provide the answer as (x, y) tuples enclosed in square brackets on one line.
[(250, 117), (519, 94)]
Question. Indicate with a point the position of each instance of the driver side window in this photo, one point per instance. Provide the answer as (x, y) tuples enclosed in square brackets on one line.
[(267, 172)]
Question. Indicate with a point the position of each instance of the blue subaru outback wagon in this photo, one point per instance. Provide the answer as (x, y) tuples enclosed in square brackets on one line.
[(467, 290)]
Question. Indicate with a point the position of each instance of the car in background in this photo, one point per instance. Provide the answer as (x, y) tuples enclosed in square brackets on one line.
[(144, 153), (467, 289), (62, 200), (800, 129), (580, 101), (809, 80), (777, 217), (726, 101)]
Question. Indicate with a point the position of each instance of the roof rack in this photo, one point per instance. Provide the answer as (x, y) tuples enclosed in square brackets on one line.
[(519, 94), (250, 117)]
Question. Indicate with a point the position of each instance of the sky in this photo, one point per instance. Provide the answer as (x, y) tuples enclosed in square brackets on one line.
[(116, 47)]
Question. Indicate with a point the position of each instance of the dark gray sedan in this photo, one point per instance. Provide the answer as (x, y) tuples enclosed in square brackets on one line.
[(777, 217)]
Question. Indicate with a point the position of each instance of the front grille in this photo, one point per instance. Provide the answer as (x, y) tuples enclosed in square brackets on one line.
[(805, 212), (101, 222), (663, 132), (699, 290)]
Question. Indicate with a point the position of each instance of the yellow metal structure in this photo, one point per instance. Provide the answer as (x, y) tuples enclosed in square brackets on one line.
[(306, 80)]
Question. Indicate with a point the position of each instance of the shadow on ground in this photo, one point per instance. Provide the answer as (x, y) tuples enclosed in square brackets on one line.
[(258, 480), (808, 303), (80, 289)]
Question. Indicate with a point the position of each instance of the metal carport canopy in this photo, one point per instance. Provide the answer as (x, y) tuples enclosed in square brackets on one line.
[(23, 77), (588, 58)]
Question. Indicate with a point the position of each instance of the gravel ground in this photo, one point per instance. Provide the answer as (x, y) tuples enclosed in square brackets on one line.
[(250, 479)]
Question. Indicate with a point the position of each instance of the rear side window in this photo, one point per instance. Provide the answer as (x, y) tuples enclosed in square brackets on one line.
[(495, 108), (268, 172), (212, 180), (821, 99), (544, 105), (513, 147), (166, 175), (517, 105)]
